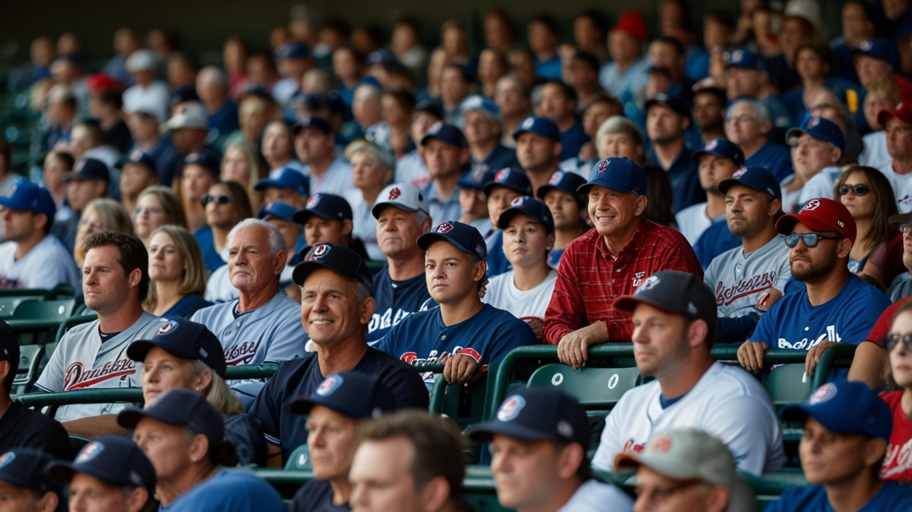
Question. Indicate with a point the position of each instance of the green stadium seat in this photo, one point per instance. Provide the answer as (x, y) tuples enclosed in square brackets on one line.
[(594, 387), (29, 359), (71, 322), (299, 459), (8, 304), (787, 384), (37, 321)]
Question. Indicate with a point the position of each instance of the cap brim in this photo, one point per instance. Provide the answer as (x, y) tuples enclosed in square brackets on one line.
[(378, 208), (264, 184), (61, 472), (885, 115), (7, 202), (900, 219), (301, 406), (614, 187), (793, 132), (300, 216), (304, 269), (728, 183), (658, 463), (484, 432), (786, 223), (15, 479), (426, 240)]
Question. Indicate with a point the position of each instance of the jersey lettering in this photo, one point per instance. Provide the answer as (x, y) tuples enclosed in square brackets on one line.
[(807, 343), (241, 354), (898, 460), (76, 377), (726, 295), (386, 320)]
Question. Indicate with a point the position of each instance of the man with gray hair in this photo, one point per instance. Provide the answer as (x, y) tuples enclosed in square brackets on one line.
[(212, 89), (749, 124), (261, 325), (482, 129)]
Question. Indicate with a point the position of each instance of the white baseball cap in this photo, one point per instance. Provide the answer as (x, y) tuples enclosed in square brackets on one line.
[(403, 196), (141, 60), (190, 115)]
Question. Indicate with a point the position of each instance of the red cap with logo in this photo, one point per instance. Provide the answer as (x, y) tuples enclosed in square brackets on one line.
[(821, 214), (903, 112), (634, 24)]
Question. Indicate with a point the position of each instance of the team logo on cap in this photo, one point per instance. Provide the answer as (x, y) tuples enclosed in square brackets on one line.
[(711, 145), (435, 127), (314, 200), (509, 410), (740, 172), (648, 284), (556, 177), (736, 55), (866, 46), (812, 205), (602, 166), (194, 157), (814, 121), (329, 385), (168, 327), (444, 228), (518, 201), (136, 155), (89, 452), (691, 308), (473, 102), (319, 251), (7, 458), (502, 175), (394, 194), (564, 428), (824, 393), (528, 123), (12, 191), (80, 164), (136, 479), (661, 444)]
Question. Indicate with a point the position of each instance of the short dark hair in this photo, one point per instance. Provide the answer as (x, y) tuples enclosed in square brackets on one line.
[(403, 98), (65, 157), (133, 255), (6, 153), (672, 41), (598, 19), (569, 93), (587, 58), (111, 98), (548, 21), (462, 70), (721, 17), (93, 127), (584, 471)]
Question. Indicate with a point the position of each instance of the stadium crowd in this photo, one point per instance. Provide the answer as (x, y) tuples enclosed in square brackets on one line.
[(350, 206)]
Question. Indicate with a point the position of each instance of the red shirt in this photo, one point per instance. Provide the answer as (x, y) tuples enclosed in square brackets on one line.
[(898, 462), (878, 334), (590, 278)]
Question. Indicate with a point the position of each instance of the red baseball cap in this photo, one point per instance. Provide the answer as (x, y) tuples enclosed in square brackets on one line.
[(821, 214), (633, 23), (103, 82), (903, 112)]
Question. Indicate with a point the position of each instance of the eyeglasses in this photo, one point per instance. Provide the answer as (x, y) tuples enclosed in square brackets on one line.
[(153, 210), (207, 198), (93, 226), (656, 495), (906, 229), (894, 339), (858, 190), (809, 239)]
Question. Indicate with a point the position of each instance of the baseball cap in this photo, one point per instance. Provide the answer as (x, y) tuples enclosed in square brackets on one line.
[(183, 408), (476, 178), (675, 103), (353, 394), (568, 182), (138, 156), (184, 339), (191, 115), (845, 408), (530, 206), (745, 59), (808, 10), (462, 236), (536, 413), (433, 107), (878, 48), (25, 195), (481, 104), (513, 179), (755, 177), (325, 206), (445, 132), (24, 467), (675, 292), (404, 196), (206, 159), (279, 210), (541, 126), (141, 60), (88, 169), (381, 56), (9, 346), (288, 179), (292, 50), (722, 148), (820, 128), (903, 112), (340, 259), (312, 122), (617, 173), (184, 94), (821, 214), (103, 82), (116, 460), (634, 24)]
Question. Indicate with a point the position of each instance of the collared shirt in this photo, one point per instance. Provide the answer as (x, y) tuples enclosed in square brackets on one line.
[(411, 169), (442, 209), (337, 179), (590, 278), (685, 180)]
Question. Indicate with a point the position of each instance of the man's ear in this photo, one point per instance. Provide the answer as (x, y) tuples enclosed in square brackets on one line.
[(135, 277), (346, 227), (5, 367)]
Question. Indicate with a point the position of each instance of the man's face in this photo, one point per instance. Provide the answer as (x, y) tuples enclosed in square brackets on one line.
[(855, 25), (899, 138), (742, 82), (330, 310), (747, 211), (870, 69), (665, 55), (283, 195), (565, 209), (810, 156), (330, 231), (104, 283), (398, 232), (555, 104), (312, 145), (708, 111), (664, 125), (541, 39), (221, 215), (82, 192), (612, 212), (586, 33), (291, 231), (441, 159), (622, 46), (742, 126), (196, 181), (828, 457), (526, 242), (18, 225), (251, 264), (509, 97), (449, 273), (810, 264), (534, 151), (580, 74), (276, 145), (14, 498), (381, 480), (499, 200), (525, 472), (453, 87), (658, 493), (713, 169), (619, 144), (659, 341), (188, 140), (480, 129), (166, 446), (89, 494), (332, 440), (421, 123)]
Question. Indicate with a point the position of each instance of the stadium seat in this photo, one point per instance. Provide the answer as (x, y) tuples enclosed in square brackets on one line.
[(37, 321), (70, 322), (29, 359), (8, 304), (599, 388), (787, 384), (299, 460)]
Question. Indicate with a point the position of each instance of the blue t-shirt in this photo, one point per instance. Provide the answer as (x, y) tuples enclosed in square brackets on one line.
[(229, 490), (554, 257), (572, 139), (488, 336), (714, 241), (892, 497), (185, 307), (316, 496), (211, 257), (685, 180), (167, 160), (548, 70), (792, 323), (776, 158), (224, 121), (301, 377), (395, 301)]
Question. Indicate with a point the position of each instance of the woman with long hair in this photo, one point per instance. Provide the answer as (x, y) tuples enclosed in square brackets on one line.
[(157, 206), (100, 215), (868, 196), (177, 274), (225, 204), (242, 164)]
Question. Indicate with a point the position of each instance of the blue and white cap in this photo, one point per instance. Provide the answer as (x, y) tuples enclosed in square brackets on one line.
[(353, 394), (116, 460), (541, 126), (529, 206), (846, 408), (482, 104), (462, 236)]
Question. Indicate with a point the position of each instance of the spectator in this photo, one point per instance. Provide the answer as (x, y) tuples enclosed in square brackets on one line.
[(277, 147), (747, 77), (498, 31), (898, 127), (87, 141), (882, 95), (148, 94), (626, 75), (397, 106), (857, 27), (454, 88), (445, 151), (522, 65), (872, 212), (240, 163), (184, 437), (406, 44), (817, 147), (56, 164), (601, 108), (126, 42), (346, 66), (24, 484), (538, 462), (138, 173), (895, 467), (558, 103), (234, 58), (659, 197), (61, 111), (281, 216), (155, 207), (568, 209), (492, 66), (327, 218), (177, 274), (581, 313), (200, 173), (481, 118), (709, 113), (367, 109), (538, 149), (512, 97), (212, 87), (146, 137), (189, 127), (181, 73), (372, 171), (106, 105), (820, 237), (718, 32), (841, 454), (619, 136), (800, 22), (315, 146), (293, 59), (589, 32), (67, 70), (876, 59), (508, 184), (98, 216), (667, 118), (674, 314), (287, 185), (262, 72), (86, 182), (543, 42), (718, 160), (749, 124), (257, 108), (410, 168), (666, 63), (30, 257), (814, 64)]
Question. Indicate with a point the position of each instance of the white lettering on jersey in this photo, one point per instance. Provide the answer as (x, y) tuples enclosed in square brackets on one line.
[(386, 320), (898, 460), (806, 343)]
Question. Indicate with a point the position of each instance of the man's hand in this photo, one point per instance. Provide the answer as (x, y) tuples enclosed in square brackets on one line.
[(458, 368), (767, 299), (814, 354), (537, 325), (573, 348), (750, 355)]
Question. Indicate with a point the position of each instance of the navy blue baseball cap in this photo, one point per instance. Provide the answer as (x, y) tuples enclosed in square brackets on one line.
[(24, 195), (675, 103), (541, 126), (722, 148), (530, 206), (207, 159), (745, 59), (536, 413), (279, 210), (24, 467), (325, 206), (447, 133), (755, 177), (617, 173), (879, 48), (292, 50), (476, 178), (140, 157), (481, 104), (341, 260), (312, 122), (353, 394), (433, 107), (513, 179), (568, 182), (115, 460), (88, 169), (184, 339), (845, 408), (183, 408), (183, 94), (288, 179), (462, 236), (820, 128)]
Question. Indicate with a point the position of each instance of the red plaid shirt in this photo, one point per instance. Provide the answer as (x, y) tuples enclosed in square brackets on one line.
[(590, 278)]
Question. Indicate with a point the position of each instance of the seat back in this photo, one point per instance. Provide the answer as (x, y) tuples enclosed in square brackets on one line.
[(8, 304), (593, 387), (299, 459), (787, 384), (44, 310), (29, 359)]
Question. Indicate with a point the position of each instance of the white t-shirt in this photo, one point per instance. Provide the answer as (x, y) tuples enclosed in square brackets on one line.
[(727, 402), (47, 265), (821, 185), (594, 496), (902, 187), (154, 99), (693, 221), (875, 153), (503, 294)]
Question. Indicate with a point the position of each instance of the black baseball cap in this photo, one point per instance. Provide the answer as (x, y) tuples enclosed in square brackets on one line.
[(431, 106), (564, 181), (675, 292), (9, 347), (184, 339), (537, 413), (24, 467), (353, 394), (116, 460), (340, 259), (88, 169), (207, 159), (325, 206), (463, 236), (530, 206), (513, 179), (183, 408), (313, 122), (673, 102), (448, 133)]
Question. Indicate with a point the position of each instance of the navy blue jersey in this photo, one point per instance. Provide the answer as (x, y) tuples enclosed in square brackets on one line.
[(316, 496), (301, 377), (684, 177), (776, 158), (499, 157), (395, 301), (186, 306), (488, 336), (813, 498), (572, 139), (714, 241), (244, 431), (497, 261), (229, 490)]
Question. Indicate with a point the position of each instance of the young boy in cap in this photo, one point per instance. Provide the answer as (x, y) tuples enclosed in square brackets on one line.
[(463, 332), (23, 485), (718, 160), (538, 150), (327, 218), (507, 185), (844, 442), (539, 440), (568, 209)]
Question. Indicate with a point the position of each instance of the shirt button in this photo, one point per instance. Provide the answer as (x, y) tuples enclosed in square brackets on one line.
[(618, 270), (807, 328), (443, 337)]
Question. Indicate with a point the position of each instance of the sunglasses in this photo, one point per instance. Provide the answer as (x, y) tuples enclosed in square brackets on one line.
[(809, 239), (894, 339), (206, 199), (858, 190)]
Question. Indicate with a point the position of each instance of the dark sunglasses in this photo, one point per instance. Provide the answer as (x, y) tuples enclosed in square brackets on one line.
[(206, 199), (894, 339), (859, 190), (809, 239)]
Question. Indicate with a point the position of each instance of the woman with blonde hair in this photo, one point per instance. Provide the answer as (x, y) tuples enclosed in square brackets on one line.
[(157, 206), (100, 215), (242, 164), (619, 136), (372, 170), (177, 274)]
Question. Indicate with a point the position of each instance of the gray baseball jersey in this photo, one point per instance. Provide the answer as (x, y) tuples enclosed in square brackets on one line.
[(739, 279), (83, 360), (47, 265)]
